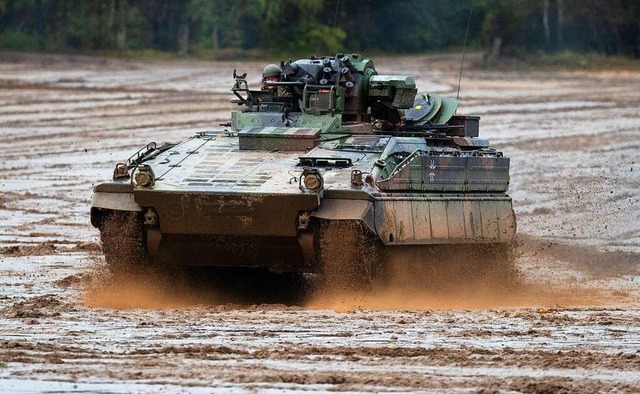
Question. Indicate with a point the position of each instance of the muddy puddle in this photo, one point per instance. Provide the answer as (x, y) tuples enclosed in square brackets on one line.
[(569, 323)]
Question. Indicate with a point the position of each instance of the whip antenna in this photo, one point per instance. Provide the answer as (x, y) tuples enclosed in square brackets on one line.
[(335, 19), (464, 48)]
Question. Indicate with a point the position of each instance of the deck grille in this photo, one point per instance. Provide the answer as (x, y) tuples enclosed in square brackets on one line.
[(220, 169)]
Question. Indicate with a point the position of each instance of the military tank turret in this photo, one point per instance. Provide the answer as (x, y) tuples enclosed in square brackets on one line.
[(330, 167)]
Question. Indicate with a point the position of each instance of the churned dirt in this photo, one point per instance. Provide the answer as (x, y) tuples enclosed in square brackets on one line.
[(569, 324)]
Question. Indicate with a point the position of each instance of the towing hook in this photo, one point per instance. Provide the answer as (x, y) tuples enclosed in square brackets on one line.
[(150, 218)]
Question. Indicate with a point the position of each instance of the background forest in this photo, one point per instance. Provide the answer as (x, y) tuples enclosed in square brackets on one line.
[(223, 28)]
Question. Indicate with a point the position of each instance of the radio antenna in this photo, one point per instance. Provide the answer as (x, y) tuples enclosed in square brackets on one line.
[(464, 48), (335, 19)]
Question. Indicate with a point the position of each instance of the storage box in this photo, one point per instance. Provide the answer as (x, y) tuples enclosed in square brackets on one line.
[(278, 138), (470, 126)]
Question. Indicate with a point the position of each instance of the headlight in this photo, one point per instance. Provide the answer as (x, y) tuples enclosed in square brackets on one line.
[(312, 182), (312, 179), (144, 177)]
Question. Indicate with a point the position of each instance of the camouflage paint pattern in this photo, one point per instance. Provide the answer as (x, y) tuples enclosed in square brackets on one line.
[(237, 196)]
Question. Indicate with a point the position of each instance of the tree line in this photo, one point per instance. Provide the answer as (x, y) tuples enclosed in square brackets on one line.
[(225, 27)]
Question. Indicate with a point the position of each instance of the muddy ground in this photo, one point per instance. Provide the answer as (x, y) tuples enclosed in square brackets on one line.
[(571, 326)]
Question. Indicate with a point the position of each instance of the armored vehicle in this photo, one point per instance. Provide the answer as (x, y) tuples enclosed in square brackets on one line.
[(328, 168)]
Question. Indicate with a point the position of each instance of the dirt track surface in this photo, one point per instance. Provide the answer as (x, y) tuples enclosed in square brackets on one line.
[(571, 327)]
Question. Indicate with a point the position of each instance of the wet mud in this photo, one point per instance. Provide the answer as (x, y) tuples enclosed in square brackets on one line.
[(563, 318)]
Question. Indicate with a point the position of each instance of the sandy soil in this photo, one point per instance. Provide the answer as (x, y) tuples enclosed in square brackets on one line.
[(572, 326)]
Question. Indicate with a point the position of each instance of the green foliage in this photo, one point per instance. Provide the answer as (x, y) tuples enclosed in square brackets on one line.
[(222, 27), (19, 41), (318, 38), (296, 26)]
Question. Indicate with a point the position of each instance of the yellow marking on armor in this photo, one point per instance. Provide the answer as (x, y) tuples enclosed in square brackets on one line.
[(418, 106)]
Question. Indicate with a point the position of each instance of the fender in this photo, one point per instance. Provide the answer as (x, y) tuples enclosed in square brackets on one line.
[(343, 209), (114, 196)]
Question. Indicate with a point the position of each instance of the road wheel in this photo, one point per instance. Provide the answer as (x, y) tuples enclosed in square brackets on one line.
[(122, 236)]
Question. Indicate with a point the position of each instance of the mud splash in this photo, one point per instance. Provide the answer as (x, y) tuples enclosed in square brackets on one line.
[(144, 290), (185, 287), (402, 297), (408, 285), (546, 274)]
